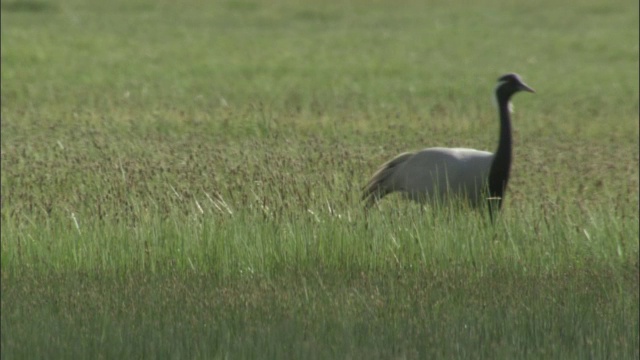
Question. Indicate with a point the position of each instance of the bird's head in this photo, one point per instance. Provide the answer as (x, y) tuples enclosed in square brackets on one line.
[(510, 84)]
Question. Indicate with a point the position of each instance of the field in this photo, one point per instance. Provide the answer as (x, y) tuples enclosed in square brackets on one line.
[(182, 180)]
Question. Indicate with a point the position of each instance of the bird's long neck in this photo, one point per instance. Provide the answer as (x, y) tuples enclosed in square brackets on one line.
[(501, 165)]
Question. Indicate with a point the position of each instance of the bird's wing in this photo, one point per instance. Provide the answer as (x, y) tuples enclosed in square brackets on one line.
[(378, 186), (435, 172)]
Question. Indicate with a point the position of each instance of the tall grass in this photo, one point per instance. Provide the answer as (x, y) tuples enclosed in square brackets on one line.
[(183, 180)]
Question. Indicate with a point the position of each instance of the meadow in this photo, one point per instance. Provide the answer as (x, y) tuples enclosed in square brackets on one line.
[(182, 180)]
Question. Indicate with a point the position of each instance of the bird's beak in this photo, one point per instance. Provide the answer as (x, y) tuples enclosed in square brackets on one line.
[(525, 87)]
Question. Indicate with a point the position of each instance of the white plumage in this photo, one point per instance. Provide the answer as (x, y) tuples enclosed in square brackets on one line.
[(434, 174)]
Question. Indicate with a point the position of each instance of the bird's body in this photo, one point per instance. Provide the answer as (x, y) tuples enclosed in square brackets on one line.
[(435, 174), (444, 174)]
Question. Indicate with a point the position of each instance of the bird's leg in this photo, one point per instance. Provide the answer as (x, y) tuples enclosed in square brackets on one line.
[(494, 204)]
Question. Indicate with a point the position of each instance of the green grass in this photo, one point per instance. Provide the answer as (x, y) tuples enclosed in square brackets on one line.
[(182, 180)]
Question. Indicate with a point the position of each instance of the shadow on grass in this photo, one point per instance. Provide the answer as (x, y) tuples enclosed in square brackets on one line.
[(28, 6)]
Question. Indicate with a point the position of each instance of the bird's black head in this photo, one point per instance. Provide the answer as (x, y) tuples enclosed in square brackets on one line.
[(510, 84)]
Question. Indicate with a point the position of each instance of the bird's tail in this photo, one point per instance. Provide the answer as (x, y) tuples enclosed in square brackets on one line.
[(380, 185)]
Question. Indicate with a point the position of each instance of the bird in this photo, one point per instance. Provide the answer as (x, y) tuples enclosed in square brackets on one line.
[(441, 174)]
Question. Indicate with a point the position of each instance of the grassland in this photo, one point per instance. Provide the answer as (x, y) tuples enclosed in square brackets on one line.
[(181, 180)]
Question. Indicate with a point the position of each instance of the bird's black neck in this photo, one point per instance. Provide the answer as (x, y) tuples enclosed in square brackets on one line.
[(501, 166)]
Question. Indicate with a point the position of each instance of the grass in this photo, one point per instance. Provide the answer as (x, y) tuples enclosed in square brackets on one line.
[(183, 180)]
